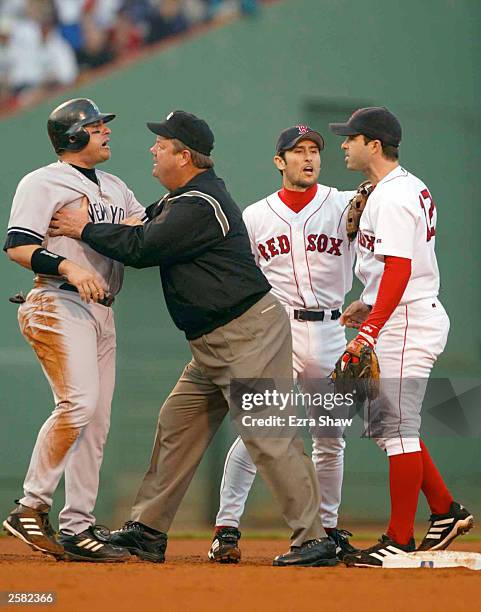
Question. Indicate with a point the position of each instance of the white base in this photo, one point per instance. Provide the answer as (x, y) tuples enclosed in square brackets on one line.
[(434, 560)]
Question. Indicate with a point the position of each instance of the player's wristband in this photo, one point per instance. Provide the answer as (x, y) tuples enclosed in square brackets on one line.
[(45, 262), (368, 333)]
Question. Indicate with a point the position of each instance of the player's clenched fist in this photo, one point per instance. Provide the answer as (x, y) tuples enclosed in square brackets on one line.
[(88, 284), (355, 314)]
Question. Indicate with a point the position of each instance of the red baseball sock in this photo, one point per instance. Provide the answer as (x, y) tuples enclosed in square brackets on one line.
[(433, 486), (405, 478)]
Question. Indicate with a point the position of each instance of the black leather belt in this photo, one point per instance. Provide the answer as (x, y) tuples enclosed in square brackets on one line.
[(108, 299), (315, 315)]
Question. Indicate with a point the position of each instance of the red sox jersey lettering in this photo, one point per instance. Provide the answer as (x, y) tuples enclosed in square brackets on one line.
[(305, 255), (280, 245), (323, 243), (367, 241)]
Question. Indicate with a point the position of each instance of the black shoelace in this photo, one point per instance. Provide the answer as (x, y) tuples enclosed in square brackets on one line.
[(100, 532), (342, 533), (132, 525), (311, 543)]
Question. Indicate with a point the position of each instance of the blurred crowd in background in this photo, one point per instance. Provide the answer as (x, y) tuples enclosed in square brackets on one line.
[(45, 44)]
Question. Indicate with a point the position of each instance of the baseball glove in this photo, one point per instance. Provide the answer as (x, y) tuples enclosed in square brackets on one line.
[(356, 207), (357, 371)]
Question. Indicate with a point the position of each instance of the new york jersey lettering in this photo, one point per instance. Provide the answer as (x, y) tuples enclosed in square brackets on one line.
[(99, 213)]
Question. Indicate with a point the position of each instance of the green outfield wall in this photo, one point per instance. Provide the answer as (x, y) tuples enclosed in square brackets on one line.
[(309, 61)]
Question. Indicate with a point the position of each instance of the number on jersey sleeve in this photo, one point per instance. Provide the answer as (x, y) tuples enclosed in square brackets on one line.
[(429, 208)]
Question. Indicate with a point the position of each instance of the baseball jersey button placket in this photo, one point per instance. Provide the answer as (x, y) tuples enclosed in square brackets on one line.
[(299, 261)]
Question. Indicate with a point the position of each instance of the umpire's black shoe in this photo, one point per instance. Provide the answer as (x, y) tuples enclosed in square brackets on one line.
[(91, 545), (224, 547), (313, 553), (142, 541), (33, 527), (340, 537)]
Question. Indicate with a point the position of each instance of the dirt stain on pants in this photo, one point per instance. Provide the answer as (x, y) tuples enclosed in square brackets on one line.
[(41, 326)]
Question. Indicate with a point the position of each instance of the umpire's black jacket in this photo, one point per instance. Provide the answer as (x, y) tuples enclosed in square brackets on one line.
[(198, 238)]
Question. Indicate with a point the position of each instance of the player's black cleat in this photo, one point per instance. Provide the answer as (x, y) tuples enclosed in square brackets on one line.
[(91, 545), (18, 298), (313, 553), (33, 527), (140, 540), (445, 528), (340, 537), (373, 556), (224, 547)]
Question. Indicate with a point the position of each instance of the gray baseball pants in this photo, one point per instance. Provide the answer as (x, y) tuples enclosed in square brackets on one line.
[(75, 344)]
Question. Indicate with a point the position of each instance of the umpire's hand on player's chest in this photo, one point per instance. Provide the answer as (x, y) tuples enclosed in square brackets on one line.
[(68, 222)]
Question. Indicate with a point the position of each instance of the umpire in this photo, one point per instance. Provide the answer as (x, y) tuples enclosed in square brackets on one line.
[(235, 327)]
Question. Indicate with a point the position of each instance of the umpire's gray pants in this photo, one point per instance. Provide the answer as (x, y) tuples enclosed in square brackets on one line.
[(257, 344)]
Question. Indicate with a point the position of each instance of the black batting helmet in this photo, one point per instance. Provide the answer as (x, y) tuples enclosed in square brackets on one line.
[(66, 124)]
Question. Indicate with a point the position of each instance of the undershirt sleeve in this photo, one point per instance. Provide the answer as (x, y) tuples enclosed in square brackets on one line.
[(397, 271)]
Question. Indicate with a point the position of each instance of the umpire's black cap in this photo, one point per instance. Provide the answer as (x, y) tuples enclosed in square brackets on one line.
[(289, 137), (192, 131), (375, 122)]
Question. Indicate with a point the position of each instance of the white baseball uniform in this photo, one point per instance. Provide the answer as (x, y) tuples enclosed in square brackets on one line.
[(400, 220), (307, 258), (74, 341)]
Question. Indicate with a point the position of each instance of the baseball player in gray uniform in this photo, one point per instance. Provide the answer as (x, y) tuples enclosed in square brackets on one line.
[(298, 238), (68, 321)]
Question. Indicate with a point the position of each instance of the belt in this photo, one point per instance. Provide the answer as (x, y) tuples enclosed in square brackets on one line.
[(315, 315), (108, 299)]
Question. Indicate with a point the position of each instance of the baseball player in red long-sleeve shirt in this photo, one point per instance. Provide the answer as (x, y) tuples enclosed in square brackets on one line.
[(407, 324)]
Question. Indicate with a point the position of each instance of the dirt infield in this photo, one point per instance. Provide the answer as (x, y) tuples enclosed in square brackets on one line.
[(189, 582)]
